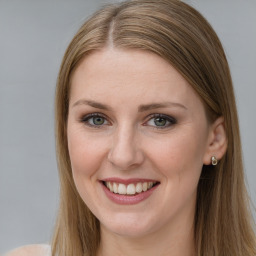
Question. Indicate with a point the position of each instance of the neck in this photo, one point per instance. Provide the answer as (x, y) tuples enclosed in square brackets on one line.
[(177, 240)]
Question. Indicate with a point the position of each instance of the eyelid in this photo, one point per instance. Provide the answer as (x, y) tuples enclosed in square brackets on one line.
[(170, 119), (85, 119)]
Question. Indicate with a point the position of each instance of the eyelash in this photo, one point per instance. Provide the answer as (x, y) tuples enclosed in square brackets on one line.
[(170, 120), (86, 119)]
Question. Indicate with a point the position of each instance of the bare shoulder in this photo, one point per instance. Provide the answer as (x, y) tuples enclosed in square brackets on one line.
[(31, 250)]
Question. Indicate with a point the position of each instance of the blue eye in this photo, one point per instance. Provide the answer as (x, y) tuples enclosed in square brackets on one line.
[(161, 121), (94, 119)]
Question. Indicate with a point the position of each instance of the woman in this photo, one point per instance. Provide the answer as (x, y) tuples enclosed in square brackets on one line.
[(148, 140)]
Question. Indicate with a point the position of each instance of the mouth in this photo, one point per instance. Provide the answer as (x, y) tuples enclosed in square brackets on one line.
[(129, 188)]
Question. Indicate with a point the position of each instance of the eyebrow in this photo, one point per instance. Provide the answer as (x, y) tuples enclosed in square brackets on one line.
[(147, 107), (141, 108), (92, 104)]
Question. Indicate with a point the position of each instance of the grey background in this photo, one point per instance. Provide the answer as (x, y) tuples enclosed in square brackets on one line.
[(33, 38)]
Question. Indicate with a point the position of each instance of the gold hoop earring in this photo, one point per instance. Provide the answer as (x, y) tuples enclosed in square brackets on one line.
[(214, 160)]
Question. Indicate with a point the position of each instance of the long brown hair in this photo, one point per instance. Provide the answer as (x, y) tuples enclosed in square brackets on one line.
[(179, 34)]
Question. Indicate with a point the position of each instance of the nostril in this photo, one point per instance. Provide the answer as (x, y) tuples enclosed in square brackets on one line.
[(125, 159)]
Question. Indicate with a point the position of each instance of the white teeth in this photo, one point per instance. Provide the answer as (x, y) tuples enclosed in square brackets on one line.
[(122, 189), (110, 186), (115, 188), (139, 187), (145, 186), (130, 189)]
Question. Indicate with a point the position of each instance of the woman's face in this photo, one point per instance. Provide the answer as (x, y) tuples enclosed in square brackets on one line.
[(137, 139)]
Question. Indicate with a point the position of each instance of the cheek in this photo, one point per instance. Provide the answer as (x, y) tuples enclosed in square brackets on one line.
[(86, 153), (180, 156), (179, 160)]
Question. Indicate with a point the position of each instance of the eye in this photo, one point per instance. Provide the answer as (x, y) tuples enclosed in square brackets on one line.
[(95, 120), (161, 121)]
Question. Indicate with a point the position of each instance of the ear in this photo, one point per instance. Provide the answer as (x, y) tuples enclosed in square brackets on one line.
[(217, 141)]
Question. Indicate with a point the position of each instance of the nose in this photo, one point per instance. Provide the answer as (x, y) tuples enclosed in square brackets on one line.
[(125, 153)]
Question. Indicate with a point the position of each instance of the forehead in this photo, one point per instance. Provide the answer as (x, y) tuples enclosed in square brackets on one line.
[(125, 75)]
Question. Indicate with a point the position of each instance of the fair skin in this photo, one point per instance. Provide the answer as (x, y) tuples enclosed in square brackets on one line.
[(30, 250), (134, 119), (117, 129)]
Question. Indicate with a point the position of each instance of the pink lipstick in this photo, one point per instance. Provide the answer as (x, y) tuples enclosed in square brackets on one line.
[(130, 191)]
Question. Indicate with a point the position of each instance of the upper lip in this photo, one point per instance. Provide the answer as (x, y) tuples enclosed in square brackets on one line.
[(128, 181)]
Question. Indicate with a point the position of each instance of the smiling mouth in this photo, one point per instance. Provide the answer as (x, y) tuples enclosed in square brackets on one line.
[(131, 189)]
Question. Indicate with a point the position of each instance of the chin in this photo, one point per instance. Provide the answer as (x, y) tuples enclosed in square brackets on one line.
[(129, 226)]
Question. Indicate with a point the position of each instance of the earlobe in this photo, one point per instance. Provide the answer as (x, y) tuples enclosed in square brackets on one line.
[(217, 142)]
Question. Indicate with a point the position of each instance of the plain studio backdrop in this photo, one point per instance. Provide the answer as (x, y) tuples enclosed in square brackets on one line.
[(33, 37)]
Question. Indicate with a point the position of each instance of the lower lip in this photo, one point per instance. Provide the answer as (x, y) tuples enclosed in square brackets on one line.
[(128, 200)]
